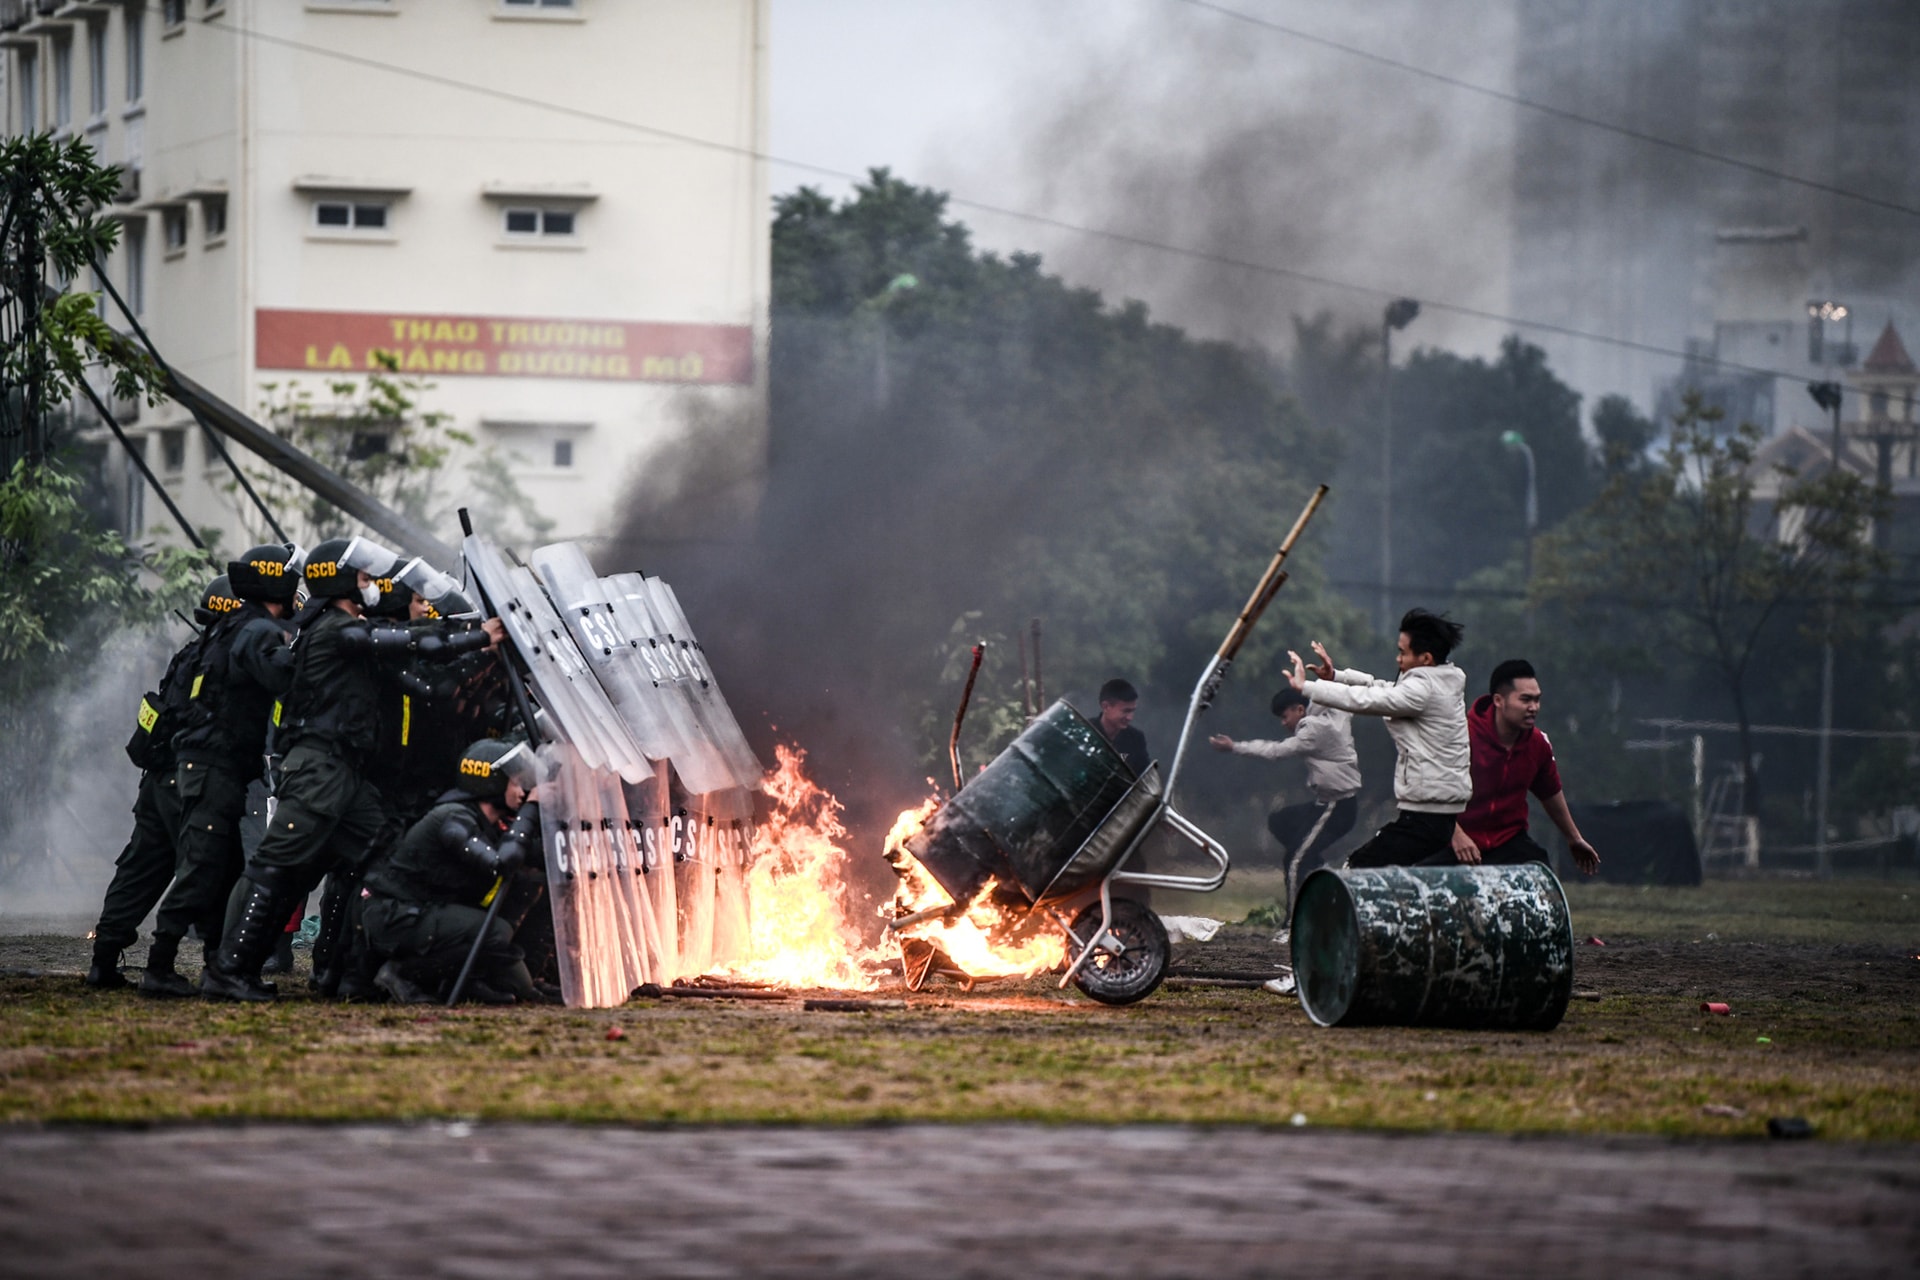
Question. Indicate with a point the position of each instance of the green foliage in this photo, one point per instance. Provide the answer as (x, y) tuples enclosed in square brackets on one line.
[(959, 435), (53, 192), (1681, 557)]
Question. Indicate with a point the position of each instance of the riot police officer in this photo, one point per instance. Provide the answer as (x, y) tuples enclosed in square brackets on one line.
[(427, 898), (145, 867), (245, 665), (329, 812)]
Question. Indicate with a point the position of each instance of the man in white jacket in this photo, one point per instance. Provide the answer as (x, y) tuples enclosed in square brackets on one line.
[(1426, 712), (1323, 738)]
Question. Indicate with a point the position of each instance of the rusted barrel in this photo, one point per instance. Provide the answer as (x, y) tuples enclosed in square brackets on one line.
[(1021, 819), (1484, 947)]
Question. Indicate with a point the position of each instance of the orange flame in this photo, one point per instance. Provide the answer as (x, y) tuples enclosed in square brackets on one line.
[(801, 933), (988, 940)]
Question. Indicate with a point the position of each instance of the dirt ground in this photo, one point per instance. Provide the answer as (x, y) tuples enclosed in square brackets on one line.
[(1823, 983)]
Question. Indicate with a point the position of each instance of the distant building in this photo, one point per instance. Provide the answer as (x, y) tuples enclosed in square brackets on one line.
[(453, 182), (1681, 252), (1879, 441)]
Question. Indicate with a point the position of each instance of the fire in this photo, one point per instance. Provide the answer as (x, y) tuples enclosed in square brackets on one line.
[(801, 932), (988, 940)]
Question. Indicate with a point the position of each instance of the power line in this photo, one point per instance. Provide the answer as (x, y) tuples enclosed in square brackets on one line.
[(1558, 113), (988, 207)]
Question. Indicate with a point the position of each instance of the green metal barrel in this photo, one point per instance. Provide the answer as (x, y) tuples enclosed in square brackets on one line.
[(1482, 947), (1021, 819)]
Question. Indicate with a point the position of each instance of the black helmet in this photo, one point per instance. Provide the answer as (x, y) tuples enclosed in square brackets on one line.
[(395, 596), (328, 574), (216, 603), (486, 766), (440, 591), (266, 573)]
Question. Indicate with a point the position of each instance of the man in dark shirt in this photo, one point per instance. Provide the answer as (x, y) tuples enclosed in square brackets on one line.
[(1118, 701), (1510, 758)]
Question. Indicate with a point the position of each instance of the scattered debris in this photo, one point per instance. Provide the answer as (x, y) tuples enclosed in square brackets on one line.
[(615, 1033), (1188, 984), (1586, 995), (1299, 1120), (1788, 1127), (1763, 1039), (852, 1006), (1716, 1006), (1724, 1110), (1283, 987), (1190, 928), (1595, 942)]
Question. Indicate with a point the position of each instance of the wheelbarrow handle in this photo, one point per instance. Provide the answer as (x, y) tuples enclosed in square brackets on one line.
[(1270, 582)]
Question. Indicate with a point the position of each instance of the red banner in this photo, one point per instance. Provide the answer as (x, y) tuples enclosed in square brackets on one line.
[(503, 347)]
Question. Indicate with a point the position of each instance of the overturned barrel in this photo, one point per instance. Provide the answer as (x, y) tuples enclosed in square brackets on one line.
[(1024, 819), (1480, 947)]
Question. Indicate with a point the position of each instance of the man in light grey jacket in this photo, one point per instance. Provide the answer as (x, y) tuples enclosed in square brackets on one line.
[(1426, 712), (1323, 738)]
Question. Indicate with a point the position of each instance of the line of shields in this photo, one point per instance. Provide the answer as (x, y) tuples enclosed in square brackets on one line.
[(647, 783)]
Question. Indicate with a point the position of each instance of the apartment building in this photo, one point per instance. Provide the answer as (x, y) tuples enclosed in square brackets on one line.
[(552, 210)]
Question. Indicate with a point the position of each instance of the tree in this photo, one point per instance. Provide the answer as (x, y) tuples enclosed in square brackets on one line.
[(68, 584), (375, 433), (1683, 553), (957, 435)]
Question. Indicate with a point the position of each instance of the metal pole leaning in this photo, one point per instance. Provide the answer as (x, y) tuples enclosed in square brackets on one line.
[(1263, 593), (213, 437), (499, 895), (966, 696), (106, 416)]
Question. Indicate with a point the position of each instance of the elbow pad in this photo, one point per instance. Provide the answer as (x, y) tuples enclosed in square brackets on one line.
[(491, 860), (443, 648)]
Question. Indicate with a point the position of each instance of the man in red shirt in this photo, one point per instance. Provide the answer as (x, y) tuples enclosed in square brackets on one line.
[(1510, 758)]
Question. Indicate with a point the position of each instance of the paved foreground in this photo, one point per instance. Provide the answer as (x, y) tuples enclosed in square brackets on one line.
[(459, 1200)]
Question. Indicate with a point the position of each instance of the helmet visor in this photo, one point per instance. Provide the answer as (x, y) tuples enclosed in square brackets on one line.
[(370, 558)]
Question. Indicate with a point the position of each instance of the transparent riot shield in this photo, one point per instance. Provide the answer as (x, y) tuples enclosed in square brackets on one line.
[(723, 729), (696, 756)]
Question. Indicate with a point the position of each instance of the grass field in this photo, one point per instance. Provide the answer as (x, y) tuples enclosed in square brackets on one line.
[(1824, 981)]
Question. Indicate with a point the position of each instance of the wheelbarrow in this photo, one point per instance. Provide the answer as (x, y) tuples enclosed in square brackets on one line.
[(1055, 820)]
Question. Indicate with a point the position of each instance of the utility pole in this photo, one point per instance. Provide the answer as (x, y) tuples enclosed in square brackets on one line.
[(1514, 440), (1827, 396), (1399, 314)]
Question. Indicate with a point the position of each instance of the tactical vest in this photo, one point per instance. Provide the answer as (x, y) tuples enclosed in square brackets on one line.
[(162, 713), (227, 712), (335, 698), (427, 864)]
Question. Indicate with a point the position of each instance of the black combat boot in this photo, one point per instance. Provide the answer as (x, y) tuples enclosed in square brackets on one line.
[(399, 984), (281, 961), (333, 945), (104, 973), (235, 971), (160, 979)]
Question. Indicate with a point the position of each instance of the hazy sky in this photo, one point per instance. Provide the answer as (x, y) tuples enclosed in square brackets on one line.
[(1163, 120)]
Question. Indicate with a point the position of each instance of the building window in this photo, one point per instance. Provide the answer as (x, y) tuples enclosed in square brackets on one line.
[(136, 56), (1877, 404), (173, 449), (97, 69), (538, 222), (213, 217), (135, 234), (62, 83), (349, 215), (529, 6), (29, 93), (563, 452), (173, 224), (367, 444), (173, 13)]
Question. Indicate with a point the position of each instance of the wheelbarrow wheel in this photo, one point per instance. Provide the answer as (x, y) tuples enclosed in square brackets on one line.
[(1135, 970)]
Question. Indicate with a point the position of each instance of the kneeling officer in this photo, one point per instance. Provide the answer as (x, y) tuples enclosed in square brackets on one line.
[(426, 899)]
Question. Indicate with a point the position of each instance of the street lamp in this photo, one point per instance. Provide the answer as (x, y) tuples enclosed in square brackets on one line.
[(1399, 314), (879, 302), (1514, 440)]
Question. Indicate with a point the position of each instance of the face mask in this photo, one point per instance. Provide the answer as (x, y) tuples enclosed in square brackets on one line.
[(370, 594)]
